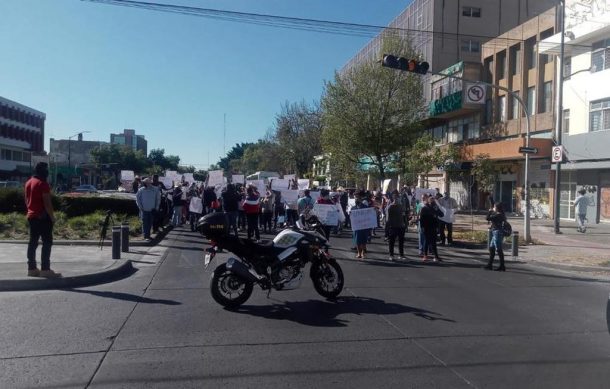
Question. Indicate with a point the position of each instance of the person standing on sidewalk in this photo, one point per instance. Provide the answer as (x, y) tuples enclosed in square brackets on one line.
[(580, 205), (446, 222), (158, 215), (396, 226), (497, 218), (148, 200), (41, 217), (428, 220)]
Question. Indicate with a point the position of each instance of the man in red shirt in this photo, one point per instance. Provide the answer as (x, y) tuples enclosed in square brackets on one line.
[(40, 219)]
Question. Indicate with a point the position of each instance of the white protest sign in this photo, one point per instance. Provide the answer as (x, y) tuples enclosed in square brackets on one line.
[(290, 196), (419, 192), (327, 213), (167, 181), (238, 178), (303, 183), (289, 176), (350, 204), (196, 205), (259, 184), (215, 178), (363, 218), (280, 184), (171, 173), (127, 175), (188, 177)]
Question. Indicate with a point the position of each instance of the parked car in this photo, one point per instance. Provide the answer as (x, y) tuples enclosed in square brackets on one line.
[(86, 189), (10, 184)]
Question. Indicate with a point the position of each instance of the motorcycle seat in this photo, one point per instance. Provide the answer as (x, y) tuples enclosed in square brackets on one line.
[(263, 248)]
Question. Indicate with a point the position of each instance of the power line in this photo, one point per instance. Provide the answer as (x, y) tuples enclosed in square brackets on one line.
[(303, 24)]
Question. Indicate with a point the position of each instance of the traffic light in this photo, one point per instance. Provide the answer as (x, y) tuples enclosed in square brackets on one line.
[(407, 65)]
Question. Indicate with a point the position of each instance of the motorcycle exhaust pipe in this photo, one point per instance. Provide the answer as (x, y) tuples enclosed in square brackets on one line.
[(242, 270)]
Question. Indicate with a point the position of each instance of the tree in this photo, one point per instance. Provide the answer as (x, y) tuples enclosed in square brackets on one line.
[(298, 132), (483, 172), (235, 154), (157, 157), (120, 157), (263, 155), (371, 112), (424, 156)]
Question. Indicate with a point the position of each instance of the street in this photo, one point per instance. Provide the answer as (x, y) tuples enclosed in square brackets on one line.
[(396, 324)]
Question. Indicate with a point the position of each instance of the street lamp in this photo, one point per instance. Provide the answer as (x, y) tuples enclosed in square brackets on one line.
[(559, 119), (69, 152)]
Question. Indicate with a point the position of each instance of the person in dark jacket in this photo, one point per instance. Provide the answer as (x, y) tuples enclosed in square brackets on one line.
[(428, 220), (230, 203), (209, 196), (252, 209), (396, 226), (497, 218)]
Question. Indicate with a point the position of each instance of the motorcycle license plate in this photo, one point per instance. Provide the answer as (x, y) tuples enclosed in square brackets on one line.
[(208, 258)]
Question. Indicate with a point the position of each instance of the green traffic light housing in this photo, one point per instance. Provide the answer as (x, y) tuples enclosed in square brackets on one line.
[(404, 64)]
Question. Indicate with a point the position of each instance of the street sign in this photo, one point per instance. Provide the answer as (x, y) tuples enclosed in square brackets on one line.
[(475, 94), (528, 150), (557, 154)]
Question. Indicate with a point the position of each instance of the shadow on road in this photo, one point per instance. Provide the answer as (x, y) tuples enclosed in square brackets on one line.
[(318, 313), (125, 297)]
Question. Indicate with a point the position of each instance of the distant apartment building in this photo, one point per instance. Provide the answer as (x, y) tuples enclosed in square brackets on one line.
[(493, 123), (447, 32), (586, 107), (21, 136), (131, 139)]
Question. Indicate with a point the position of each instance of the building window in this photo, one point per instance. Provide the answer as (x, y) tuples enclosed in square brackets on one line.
[(515, 60), (566, 121), (547, 94), (502, 108), (488, 65), (471, 46), (501, 73), (516, 107), (544, 58), (530, 53), (471, 12), (600, 56), (599, 115), (488, 112), (531, 100)]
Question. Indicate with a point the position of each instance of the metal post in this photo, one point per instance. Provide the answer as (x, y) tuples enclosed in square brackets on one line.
[(559, 121), (515, 244), (116, 242), (125, 237)]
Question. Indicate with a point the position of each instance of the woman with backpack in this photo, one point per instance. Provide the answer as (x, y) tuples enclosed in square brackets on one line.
[(497, 218)]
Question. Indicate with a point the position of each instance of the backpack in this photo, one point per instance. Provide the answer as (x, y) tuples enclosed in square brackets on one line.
[(507, 229)]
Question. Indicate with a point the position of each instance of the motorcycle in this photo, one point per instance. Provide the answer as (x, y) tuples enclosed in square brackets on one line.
[(278, 264)]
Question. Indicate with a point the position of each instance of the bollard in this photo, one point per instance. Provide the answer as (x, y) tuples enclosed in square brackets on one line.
[(116, 242), (515, 244), (125, 237)]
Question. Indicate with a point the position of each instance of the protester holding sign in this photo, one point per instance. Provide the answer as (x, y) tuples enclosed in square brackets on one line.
[(325, 199), (252, 209), (450, 206), (360, 236)]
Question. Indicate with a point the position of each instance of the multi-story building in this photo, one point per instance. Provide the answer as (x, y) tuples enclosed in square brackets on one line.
[(71, 159), (131, 139), (447, 32), (586, 106), (492, 121), (21, 135)]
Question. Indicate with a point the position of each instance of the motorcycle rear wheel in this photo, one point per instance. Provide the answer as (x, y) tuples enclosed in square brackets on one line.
[(327, 278), (229, 289)]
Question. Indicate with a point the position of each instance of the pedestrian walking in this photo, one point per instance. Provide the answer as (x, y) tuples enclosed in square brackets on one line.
[(267, 212), (148, 200), (40, 217), (178, 201), (252, 209), (361, 237), (497, 218), (230, 203), (428, 220), (135, 185), (396, 226), (580, 206), (158, 215), (449, 206), (421, 238)]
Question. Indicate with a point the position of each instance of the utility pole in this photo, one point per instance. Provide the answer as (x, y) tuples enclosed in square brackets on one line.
[(559, 119), (224, 136)]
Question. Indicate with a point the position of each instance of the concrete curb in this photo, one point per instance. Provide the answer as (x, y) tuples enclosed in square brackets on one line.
[(117, 270)]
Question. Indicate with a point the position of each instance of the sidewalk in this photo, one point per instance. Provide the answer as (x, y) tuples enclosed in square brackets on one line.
[(569, 250), (81, 263)]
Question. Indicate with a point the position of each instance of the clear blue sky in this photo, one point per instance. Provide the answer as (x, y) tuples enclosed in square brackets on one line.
[(101, 68)]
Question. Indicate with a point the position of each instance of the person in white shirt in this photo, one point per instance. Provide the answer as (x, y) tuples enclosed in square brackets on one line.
[(446, 221), (580, 205)]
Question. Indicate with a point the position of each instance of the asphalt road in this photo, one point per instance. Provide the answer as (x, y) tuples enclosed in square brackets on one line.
[(397, 325)]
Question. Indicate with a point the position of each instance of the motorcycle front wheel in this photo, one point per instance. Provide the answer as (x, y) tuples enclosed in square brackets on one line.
[(327, 278), (228, 289)]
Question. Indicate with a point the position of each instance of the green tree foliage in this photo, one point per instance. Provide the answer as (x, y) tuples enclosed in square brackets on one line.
[(370, 113), (157, 157), (483, 172), (263, 155), (424, 156), (298, 131), (231, 160), (120, 157)]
